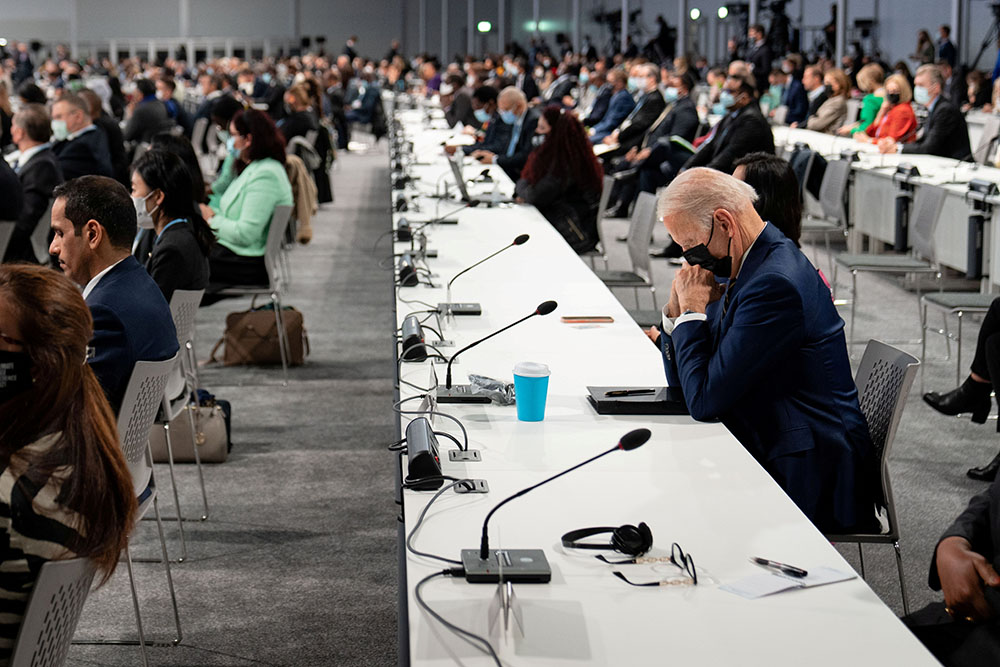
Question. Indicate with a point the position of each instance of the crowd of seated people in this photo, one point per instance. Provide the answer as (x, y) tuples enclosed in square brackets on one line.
[(79, 135)]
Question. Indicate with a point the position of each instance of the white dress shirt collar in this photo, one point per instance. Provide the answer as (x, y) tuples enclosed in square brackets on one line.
[(96, 279)]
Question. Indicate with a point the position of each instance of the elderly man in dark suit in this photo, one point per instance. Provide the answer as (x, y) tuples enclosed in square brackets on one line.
[(81, 148), (94, 222), (512, 107), (39, 173), (764, 351), (944, 132), (964, 630)]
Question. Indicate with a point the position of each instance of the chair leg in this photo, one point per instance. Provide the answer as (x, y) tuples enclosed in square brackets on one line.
[(282, 343), (135, 605), (947, 336), (958, 352), (197, 462), (833, 283), (923, 344), (902, 579), (173, 487), (861, 560), (166, 565), (854, 305)]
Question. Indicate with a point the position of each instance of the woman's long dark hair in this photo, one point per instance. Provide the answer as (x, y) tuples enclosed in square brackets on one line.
[(181, 146), (565, 152), (779, 199), (266, 139), (65, 398), (165, 171)]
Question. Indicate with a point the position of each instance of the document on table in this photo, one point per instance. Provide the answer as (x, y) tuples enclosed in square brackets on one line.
[(761, 585)]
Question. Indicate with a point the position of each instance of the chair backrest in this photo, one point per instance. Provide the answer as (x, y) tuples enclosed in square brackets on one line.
[(640, 232), (924, 215), (138, 412), (40, 236), (198, 135), (988, 140), (608, 185), (780, 114), (312, 136), (275, 235), (833, 189), (52, 613), (853, 110), (883, 380), (183, 309), (6, 231)]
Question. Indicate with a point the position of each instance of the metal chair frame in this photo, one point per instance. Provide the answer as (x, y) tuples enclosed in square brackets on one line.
[(640, 232), (970, 303), (602, 248)]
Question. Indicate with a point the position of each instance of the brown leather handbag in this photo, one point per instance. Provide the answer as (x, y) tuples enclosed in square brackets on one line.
[(210, 436), (251, 337)]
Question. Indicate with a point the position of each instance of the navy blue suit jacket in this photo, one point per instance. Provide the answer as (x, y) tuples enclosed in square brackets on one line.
[(495, 140), (600, 106), (775, 371), (796, 100), (132, 323), (618, 110)]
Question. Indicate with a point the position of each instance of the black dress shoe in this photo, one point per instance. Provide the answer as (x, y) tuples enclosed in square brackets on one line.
[(964, 399), (986, 473), (672, 251)]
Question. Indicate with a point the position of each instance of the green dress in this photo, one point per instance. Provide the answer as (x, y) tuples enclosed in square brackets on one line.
[(869, 109)]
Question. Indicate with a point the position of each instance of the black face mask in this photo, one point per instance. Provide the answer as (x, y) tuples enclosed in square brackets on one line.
[(893, 98), (537, 140), (700, 256), (15, 374)]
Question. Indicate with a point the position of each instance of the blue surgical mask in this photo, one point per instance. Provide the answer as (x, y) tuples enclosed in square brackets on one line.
[(777, 90), (584, 78), (921, 95), (718, 109), (634, 84), (671, 94), (727, 100), (231, 145), (266, 77), (481, 115), (59, 130), (508, 117)]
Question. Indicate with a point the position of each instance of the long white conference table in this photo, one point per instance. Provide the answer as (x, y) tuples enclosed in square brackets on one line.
[(873, 196), (692, 483)]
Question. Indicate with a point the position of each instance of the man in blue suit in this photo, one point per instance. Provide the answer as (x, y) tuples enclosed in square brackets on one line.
[(619, 108), (764, 350), (94, 222), (794, 97)]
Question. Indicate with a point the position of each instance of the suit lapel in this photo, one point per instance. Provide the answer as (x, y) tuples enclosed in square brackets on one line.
[(747, 272)]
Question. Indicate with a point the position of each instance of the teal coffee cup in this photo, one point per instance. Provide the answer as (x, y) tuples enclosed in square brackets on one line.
[(531, 387)]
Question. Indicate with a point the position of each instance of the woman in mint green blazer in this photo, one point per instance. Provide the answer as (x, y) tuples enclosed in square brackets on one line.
[(240, 215)]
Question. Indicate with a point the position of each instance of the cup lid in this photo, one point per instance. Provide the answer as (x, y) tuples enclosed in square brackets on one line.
[(531, 369)]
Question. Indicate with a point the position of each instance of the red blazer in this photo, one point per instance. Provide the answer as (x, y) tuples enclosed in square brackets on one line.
[(900, 124)]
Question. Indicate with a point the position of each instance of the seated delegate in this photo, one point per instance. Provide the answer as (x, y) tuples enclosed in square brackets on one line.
[(563, 180), (241, 216), (895, 120), (64, 484), (161, 193), (764, 351), (945, 132)]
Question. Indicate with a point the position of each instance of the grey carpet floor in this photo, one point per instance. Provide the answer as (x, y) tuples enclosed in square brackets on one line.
[(297, 562)]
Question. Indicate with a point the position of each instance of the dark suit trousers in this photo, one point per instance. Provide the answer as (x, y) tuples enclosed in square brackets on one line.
[(227, 269), (956, 643), (986, 362)]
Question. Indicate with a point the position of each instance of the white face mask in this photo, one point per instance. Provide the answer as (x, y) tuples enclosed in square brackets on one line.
[(143, 217)]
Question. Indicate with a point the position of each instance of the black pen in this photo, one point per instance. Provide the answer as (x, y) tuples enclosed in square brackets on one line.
[(790, 570), (629, 392)]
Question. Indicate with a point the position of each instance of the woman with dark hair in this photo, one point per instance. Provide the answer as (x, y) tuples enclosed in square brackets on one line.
[(303, 119), (161, 192), (778, 200), (563, 179), (241, 215), (64, 484), (181, 146)]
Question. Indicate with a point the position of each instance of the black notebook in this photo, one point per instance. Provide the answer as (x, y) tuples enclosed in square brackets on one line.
[(662, 401)]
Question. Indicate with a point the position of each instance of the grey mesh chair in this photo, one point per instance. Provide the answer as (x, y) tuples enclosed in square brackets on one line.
[(832, 201), (927, 206), (6, 231), (602, 249), (275, 286), (40, 237), (142, 400), (958, 304), (988, 140), (883, 380), (640, 231), (853, 110), (52, 613)]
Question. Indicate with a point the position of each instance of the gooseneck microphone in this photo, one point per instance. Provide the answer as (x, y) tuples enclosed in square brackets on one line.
[(520, 240), (447, 396), (529, 565)]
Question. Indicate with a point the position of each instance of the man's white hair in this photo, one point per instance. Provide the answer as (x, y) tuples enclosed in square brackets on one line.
[(698, 193), (512, 95)]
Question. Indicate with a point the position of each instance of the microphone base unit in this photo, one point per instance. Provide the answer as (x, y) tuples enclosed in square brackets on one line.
[(460, 393), (519, 566), (464, 455), (461, 309)]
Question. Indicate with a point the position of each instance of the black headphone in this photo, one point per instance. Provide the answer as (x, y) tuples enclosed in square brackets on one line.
[(627, 539)]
